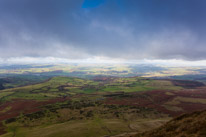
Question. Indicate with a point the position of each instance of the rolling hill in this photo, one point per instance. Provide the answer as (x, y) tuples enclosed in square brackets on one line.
[(103, 106)]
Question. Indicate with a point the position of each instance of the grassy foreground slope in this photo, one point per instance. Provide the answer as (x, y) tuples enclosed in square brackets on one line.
[(83, 128), (187, 125)]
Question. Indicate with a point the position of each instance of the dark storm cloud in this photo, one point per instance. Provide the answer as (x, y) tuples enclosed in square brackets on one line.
[(129, 29)]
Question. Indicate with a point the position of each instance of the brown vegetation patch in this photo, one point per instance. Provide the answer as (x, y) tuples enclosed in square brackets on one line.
[(103, 78), (175, 103), (187, 83), (18, 106)]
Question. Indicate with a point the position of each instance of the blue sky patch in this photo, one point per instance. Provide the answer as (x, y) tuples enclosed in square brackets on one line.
[(92, 3)]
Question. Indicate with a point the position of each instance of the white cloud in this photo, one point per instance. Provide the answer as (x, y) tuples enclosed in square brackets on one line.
[(99, 60)]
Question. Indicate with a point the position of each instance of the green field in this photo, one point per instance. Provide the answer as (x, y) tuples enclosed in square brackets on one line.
[(66, 86)]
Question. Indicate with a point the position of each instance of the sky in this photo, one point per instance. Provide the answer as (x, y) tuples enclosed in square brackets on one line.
[(94, 30)]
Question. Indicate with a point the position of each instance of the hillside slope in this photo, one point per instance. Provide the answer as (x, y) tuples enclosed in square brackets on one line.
[(187, 125)]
